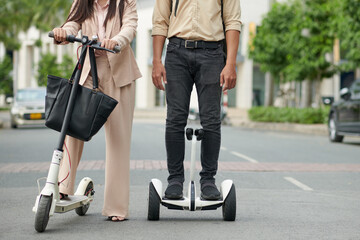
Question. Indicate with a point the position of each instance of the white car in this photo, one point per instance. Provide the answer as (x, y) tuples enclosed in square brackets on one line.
[(28, 107)]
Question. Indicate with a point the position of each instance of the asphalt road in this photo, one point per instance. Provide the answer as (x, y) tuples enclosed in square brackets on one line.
[(288, 186)]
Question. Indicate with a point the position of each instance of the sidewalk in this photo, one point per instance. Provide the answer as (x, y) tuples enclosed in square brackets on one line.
[(236, 118)]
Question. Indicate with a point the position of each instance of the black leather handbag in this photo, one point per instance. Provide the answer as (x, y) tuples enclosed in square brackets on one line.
[(90, 111)]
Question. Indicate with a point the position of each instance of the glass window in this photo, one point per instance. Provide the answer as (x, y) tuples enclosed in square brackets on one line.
[(258, 87), (31, 95), (355, 90)]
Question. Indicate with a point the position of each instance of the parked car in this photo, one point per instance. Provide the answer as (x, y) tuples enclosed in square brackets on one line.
[(28, 107), (344, 116)]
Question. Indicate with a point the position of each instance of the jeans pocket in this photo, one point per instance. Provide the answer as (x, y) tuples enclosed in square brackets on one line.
[(171, 47), (217, 52)]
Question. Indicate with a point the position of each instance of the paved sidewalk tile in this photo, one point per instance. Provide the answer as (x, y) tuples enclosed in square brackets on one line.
[(161, 165)]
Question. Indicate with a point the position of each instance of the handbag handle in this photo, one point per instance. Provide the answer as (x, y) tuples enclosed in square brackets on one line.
[(93, 68)]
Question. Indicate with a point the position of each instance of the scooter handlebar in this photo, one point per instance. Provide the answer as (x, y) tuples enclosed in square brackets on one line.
[(72, 38), (69, 38), (117, 49)]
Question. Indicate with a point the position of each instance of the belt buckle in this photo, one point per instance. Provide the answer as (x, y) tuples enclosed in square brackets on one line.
[(190, 41)]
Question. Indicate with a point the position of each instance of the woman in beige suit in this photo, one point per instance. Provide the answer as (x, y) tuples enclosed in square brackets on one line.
[(114, 22)]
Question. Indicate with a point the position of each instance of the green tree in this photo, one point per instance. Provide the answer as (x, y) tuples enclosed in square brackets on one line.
[(49, 14), (5, 76), (20, 15), (294, 40), (15, 16), (308, 53), (49, 66), (269, 45), (348, 28), (311, 54)]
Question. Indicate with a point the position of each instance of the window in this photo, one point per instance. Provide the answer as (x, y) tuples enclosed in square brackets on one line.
[(355, 90)]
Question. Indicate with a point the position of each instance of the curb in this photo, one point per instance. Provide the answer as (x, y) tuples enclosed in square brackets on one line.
[(315, 129)]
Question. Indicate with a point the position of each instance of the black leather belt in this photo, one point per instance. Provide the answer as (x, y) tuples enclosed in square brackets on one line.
[(195, 44)]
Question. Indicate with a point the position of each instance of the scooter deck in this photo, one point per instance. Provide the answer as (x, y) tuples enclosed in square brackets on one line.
[(70, 203), (184, 204)]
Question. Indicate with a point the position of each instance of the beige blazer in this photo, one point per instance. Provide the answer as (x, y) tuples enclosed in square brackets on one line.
[(123, 65)]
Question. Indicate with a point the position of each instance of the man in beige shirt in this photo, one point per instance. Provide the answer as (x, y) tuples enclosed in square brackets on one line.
[(195, 29)]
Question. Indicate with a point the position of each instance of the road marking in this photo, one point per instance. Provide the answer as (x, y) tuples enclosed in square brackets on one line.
[(223, 148), (244, 157), (299, 184)]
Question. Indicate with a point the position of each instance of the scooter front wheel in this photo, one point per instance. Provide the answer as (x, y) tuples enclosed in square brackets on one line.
[(81, 211), (154, 204), (42, 213), (229, 205)]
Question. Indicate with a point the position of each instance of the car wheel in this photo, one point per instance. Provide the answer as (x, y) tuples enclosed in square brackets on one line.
[(333, 132)]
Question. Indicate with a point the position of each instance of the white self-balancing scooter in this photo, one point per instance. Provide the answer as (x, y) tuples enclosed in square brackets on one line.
[(48, 201), (192, 202)]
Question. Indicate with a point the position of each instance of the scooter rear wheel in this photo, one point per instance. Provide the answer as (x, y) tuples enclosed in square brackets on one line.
[(81, 211), (42, 213), (229, 205), (154, 204)]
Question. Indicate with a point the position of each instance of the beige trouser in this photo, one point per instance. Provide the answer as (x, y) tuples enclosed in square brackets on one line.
[(118, 137)]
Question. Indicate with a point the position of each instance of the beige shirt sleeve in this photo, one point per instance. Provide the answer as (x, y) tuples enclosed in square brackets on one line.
[(231, 15), (161, 18)]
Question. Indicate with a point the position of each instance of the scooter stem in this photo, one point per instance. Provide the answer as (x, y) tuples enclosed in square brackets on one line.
[(51, 186), (193, 157)]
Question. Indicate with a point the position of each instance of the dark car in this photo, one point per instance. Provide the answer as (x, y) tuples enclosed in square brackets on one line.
[(344, 116)]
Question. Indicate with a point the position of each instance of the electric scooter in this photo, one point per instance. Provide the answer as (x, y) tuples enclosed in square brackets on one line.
[(48, 201), (192, 202)]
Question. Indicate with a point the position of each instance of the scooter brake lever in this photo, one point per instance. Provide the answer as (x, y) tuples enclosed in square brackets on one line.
[(98, 47)]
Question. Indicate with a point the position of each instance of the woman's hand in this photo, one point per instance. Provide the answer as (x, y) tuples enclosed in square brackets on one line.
[(59, 35), (109, 44)]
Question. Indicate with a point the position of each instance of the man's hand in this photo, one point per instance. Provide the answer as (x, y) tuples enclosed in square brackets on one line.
[(159, 75), (158, 72), (228, 74), (228, 77)]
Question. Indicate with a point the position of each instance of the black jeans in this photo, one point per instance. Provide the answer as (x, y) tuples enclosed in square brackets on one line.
[(184, 68)]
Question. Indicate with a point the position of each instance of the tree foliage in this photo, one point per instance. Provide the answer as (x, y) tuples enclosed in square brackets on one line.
[(20, 15), (269, 45), (5, 76), (308, 53), (282, 48), (49, 66), (348, 28)]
